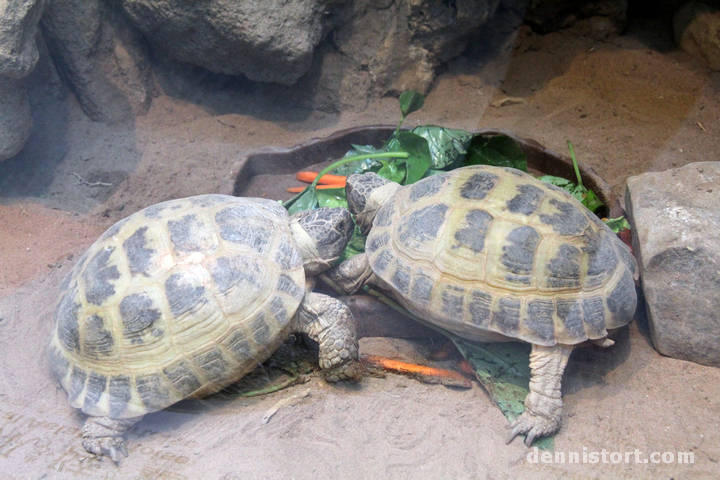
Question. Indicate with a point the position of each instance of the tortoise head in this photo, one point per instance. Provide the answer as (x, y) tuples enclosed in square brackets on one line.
[(322, 234), (366, 193)]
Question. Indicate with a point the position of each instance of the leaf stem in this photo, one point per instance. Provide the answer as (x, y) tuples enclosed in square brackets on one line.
[(575, 164), (397, 130), (355, 158)]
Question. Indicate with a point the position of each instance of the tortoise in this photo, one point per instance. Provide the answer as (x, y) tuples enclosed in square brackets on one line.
[(185, 297), (493, 254)]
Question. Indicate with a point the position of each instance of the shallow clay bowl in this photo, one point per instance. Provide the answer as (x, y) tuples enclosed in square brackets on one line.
[(268, 171)]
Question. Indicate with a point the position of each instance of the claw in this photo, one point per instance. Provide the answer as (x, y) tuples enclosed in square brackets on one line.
[(114, 455), (516, 430), (530, 438), (124, 449)]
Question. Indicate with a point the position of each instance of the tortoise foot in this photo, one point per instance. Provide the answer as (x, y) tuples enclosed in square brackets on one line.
[(541, 417), (103, 436), (352, 370)]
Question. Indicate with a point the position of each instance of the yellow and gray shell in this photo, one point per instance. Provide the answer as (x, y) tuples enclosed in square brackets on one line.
[(483, 250), (178, 300)]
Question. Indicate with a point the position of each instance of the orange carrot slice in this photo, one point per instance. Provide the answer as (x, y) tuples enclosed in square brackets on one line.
[(449, 378), (327, 179)]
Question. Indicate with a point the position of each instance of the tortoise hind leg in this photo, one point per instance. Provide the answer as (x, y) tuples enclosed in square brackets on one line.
[(543, 405), (104, 436), (329, 322)]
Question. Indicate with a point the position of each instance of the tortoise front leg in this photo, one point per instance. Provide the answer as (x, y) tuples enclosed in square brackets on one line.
[(350, 275), (543, 405), (330, 322), (104, 436)]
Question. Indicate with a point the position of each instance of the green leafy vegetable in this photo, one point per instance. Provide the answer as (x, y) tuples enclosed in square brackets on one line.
[(617, 224), (582, 194), (355, 246), (447, 146), (393, 171), (305, 200), (577, 190), (418, 160), (496, 150), (362, 165), (410, 101), (331, 197), (590, 200)]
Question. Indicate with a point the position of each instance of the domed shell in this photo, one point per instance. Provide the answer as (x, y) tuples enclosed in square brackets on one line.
[(178, 300), (486, 249)]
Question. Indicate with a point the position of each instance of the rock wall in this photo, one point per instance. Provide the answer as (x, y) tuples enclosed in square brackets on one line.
[(329, 55)]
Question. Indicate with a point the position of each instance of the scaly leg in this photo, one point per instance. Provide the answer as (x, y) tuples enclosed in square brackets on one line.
[(329, 322), (350, 275), (543, 405), (103, 436)]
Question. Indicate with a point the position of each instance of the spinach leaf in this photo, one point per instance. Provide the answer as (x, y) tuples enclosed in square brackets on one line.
[(411, 101), (305, 200), (393, 171), (355, 246), (617, 224), (361, 165), (447, 146), (582, 194), (331, 197), (419, 159), (496, 150)]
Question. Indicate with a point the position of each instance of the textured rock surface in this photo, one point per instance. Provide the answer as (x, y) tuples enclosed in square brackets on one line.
[(269, 41), (101, 56), (15, 120), (675, 217), (381, 47), (18, 56), (18, 25), (697, 31), (607, 15)]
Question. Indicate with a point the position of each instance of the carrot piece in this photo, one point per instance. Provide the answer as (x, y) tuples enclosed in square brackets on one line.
[(465, 368), (326, 179), (449, 378), (446, 350), (300, 189)]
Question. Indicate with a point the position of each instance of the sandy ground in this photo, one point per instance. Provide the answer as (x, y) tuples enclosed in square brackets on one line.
[(630, 105)]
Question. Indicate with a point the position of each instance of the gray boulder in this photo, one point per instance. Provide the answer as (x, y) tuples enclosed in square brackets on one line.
[(675, 218), (102, 58), (15, 119), (268, 41), (18, 25), (696, 27), (18, 56)]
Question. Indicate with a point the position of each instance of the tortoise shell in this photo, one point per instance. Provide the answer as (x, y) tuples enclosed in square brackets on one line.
[(178, 300), (493, 253)]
